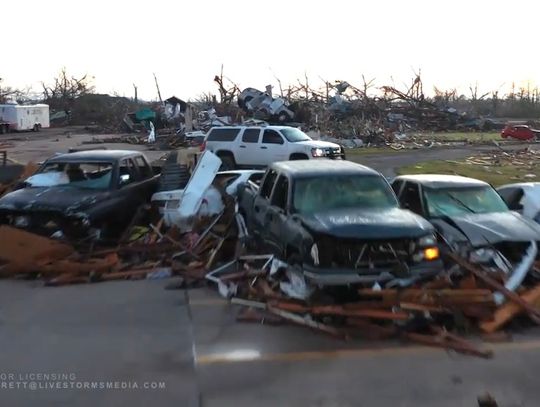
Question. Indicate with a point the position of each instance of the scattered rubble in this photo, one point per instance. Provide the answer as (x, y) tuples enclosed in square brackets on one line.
[(210, 247)]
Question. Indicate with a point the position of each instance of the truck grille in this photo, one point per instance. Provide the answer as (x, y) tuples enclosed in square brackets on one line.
[(365, 254), (333, 152)]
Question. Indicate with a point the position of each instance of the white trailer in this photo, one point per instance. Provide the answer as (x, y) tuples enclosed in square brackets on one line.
[(15, 117)]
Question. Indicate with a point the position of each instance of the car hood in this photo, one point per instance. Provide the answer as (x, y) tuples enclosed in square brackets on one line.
[(489, 228), (318, 144), (58, 198), (393, 223)]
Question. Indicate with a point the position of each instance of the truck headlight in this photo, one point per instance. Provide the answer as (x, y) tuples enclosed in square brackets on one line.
[(315, 254), (318, 152), (482, 255), (428, 240), (431, 253)]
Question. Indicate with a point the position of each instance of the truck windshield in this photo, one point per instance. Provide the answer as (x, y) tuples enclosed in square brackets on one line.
[(294, 135), (74, 174), (321, 194), (459, 201)]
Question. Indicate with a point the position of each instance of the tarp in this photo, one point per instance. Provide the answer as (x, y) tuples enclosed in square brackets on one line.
[(145, 114)]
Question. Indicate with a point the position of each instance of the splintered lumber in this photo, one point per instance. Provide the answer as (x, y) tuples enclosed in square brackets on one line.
[(533, 312), (448, 341), (214, 253), (255, 315), (371, 330), (76, 267), (361, 313), (444, 297), (510, 310), (290, 306), (307, 321), (24, 252), (121, 275), (67, 278)]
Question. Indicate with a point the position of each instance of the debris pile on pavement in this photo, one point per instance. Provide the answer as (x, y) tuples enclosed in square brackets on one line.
[(427, 313), (193, 230)]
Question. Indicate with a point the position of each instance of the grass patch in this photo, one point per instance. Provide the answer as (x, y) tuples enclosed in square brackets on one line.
[(468, 137), (374, 150), (494, 174)]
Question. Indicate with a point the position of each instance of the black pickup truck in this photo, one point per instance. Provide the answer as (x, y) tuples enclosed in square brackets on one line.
[(78, 193), (341, 222)]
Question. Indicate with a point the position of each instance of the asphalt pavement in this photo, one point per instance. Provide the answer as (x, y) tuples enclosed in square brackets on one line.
[(185, 348)]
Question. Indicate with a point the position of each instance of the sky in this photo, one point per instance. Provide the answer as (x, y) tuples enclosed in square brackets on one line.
[(120, 43)]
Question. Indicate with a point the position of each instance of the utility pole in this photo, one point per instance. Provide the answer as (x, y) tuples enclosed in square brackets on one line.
[(136, 98), (158, 92)]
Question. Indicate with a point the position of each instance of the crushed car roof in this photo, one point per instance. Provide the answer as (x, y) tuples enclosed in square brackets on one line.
[(94, 155), (322, 167), (442, 181)]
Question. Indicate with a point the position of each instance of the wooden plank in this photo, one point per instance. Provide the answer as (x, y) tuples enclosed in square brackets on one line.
[(510, 310), (533, 311)]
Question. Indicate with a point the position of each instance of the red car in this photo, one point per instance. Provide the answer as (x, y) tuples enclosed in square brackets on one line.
[(520, 131)]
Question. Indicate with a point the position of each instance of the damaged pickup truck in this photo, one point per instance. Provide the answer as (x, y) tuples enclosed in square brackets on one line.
[(340, 222), (472, 220), (84, 194)]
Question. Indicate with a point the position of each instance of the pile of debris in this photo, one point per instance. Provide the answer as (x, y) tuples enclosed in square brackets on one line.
[(342, 110), (428, 313), (203, 240)]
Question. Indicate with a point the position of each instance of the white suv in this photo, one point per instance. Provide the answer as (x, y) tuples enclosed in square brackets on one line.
[(249, 146)]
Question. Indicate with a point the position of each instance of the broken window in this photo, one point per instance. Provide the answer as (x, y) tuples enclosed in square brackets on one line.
[(127, 172), (256, 178), (396, 186), (279, 198), (512, 197), (144, 167), (268, 184), (337, 192), (410, 197), (251, 136), (78, 174), (272, 137), (459, 201)]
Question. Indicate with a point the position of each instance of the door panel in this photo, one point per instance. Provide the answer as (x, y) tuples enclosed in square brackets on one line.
[(248, 152), (273, 147)]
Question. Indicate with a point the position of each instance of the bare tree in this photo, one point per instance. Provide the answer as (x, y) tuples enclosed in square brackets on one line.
[(8, 92), (227, 94), (67, 88)]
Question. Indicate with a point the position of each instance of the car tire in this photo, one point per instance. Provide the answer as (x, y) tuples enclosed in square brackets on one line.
[(227, 163), (297, 156)]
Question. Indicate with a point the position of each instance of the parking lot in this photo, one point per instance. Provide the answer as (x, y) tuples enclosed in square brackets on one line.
[(189, 343), (185, 347)]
